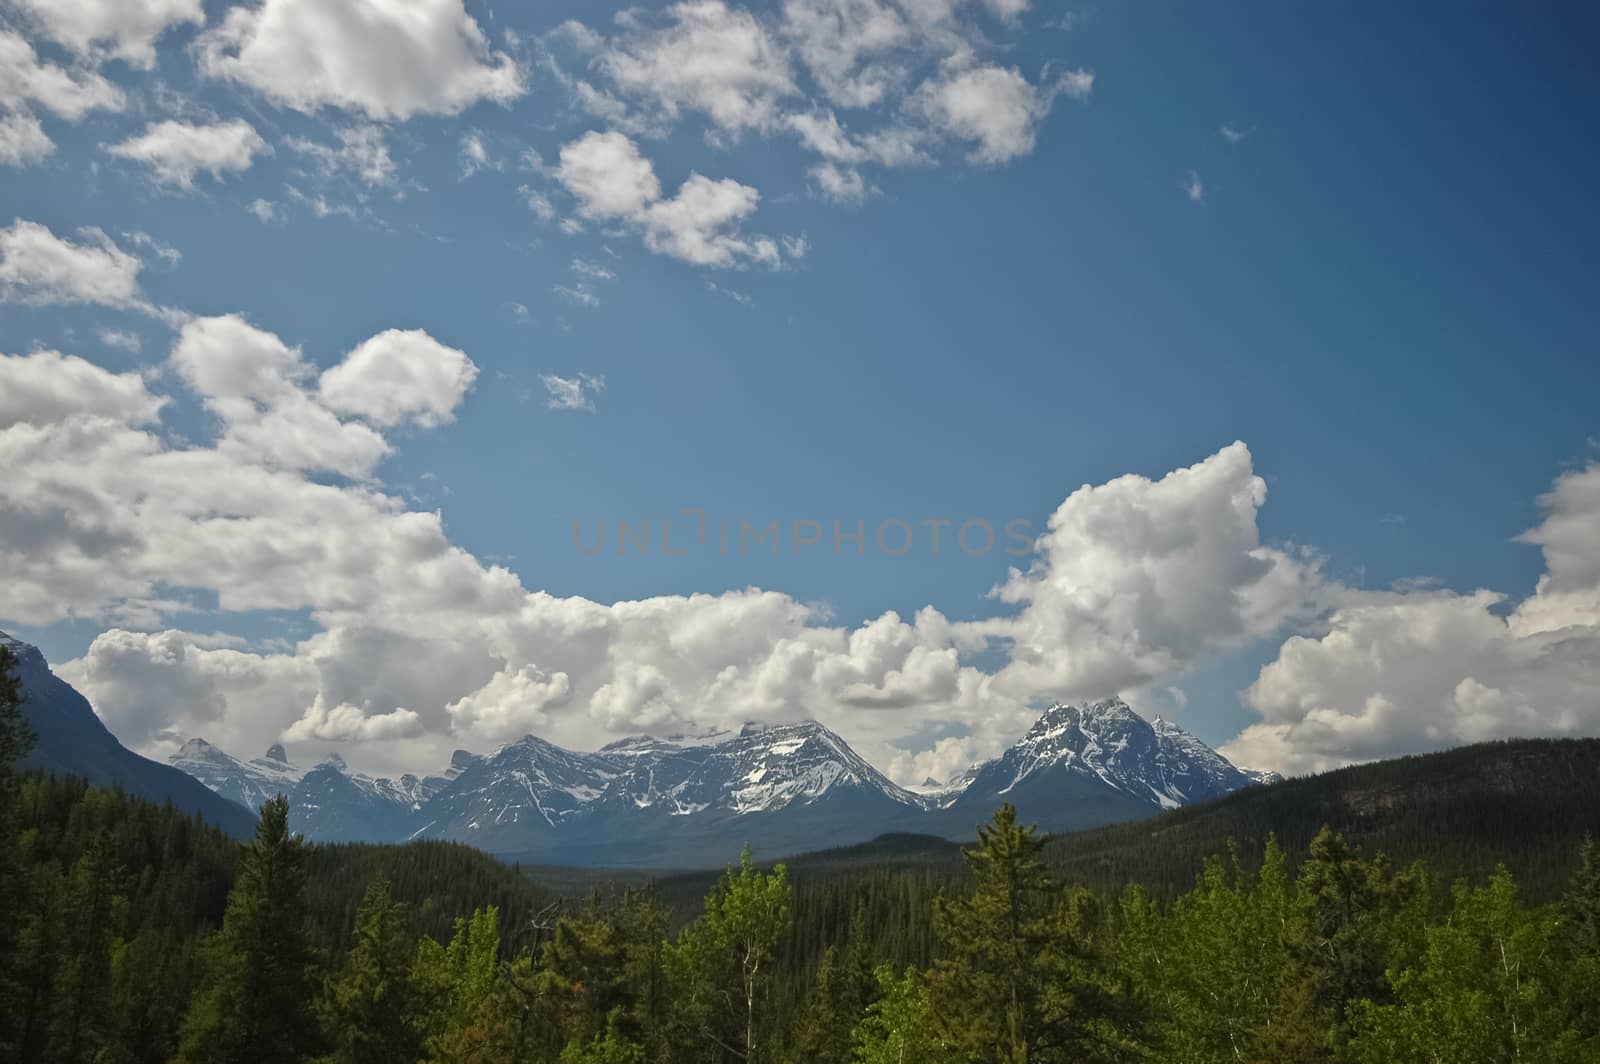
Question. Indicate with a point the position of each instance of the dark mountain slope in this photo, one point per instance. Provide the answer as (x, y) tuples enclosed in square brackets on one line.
[(1524, 803), (71, 741)]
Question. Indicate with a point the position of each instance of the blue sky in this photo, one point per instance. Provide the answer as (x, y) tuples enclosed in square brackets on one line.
[(1088, 242)]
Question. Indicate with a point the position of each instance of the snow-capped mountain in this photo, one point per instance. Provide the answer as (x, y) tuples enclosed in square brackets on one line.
[(686, 801), (249, 783), (648, 799), (1079, 767), (326, 802)]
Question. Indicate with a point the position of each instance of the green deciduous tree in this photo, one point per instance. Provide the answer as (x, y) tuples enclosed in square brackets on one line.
[(455, 985), (899, 1027), (1487, 987), (722, 964)]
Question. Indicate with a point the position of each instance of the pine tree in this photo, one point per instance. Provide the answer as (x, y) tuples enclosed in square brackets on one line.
[(831, 1013), (1022, 979), (255, 1003), (16, 739), (368, 1010), (80, 1019)]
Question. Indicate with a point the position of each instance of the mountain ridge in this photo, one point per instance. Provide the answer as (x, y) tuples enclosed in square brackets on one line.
[(649, 799)]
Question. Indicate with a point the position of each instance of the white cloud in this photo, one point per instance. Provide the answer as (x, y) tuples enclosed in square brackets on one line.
[(177, 151), (121, 338), (839, 184), (512, 704), (572, 393), (46, 386), (474, 154), (349, 723), (70, 94), (853, 48), (1194, 188), (399, 377), (388, 59), (415, 644), (23, 140), (994, 108), (608, 176), (1233, 134), (121, 29), (1415, 670), (362, 153), (265, 210), (711, 58), (36, 266), (613, 182), (538, 203), (256, 385), (1135, 579)]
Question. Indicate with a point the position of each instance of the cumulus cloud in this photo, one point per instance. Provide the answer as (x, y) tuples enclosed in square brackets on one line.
[(176, 152), (262, 392), (397, 377), (23, 140), (1136, 578), (512, 704), (387, 59), (1415, 670), (417, 646), (46, 386), (711, 58), (38, 267), (71, 94), (916, 79), (994, 108), (348, 723), (700, 223), (27, 82), (119, 29)]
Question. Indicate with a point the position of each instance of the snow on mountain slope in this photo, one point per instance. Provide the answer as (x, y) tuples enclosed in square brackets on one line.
[(249, 783), (783, 786), (1157, 762)]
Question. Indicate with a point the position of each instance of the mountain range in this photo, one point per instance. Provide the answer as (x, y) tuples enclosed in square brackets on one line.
[(646, 801), (687, 800)]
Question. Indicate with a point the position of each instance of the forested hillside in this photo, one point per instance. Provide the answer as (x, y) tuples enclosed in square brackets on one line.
[(138, 934)]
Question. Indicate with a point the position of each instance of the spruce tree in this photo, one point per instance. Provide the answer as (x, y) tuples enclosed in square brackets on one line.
[(255, 1002), (367, 1011), (1023, 978), (16, 739)]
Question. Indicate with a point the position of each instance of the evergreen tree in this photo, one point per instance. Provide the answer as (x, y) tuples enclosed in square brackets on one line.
[(1580, 917), (368, 1010), (80, 1018), (255, 1003), (832, 1010), (1021, 979), (16, 739)]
